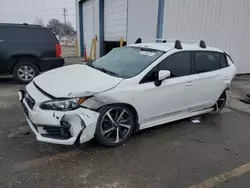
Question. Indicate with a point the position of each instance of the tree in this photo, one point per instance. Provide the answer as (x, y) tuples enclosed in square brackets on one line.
[(38, 21), (68, 28), (60, 28), (54, 25)]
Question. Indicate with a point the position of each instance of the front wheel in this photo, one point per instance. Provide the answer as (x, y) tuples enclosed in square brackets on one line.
[(115, 125), (220, 103)]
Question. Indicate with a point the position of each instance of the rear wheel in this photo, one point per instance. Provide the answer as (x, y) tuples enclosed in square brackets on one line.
[(220, 103), (115, 125), (25, 71)]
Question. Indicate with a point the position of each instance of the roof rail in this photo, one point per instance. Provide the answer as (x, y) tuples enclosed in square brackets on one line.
[(138, 40), (202, 44), (178, 45), (177, 42), (157, 39)]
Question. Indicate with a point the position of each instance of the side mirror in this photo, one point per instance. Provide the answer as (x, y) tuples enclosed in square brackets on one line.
[(163, 74)]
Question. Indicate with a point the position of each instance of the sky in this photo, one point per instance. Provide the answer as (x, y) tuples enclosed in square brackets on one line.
[(26, 11)]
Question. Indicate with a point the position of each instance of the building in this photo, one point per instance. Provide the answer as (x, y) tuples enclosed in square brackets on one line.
[(221, 23)]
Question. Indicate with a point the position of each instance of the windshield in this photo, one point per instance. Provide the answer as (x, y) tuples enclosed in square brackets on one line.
[(127, 61)]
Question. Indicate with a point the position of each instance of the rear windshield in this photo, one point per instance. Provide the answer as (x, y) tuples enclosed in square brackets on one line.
[(127, 61), (26, 34)]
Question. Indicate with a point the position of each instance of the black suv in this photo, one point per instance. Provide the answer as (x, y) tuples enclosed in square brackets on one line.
[(26, 50)]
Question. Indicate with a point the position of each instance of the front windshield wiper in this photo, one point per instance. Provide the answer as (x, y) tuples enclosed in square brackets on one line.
[(90, 63), (107, 71)]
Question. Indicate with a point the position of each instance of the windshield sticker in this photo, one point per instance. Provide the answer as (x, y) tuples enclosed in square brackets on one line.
[(147, 53)]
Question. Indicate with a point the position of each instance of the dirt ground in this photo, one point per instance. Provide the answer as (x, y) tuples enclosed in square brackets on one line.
[(214, 153)]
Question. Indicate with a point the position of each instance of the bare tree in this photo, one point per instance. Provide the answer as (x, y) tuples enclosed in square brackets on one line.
[(54, 25), (60, 28), (39, 21)]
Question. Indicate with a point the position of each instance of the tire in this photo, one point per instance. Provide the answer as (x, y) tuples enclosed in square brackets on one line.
[(27, 68), (220, 103), (106, 131)]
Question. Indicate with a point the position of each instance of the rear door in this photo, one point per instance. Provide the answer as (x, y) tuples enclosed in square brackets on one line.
[(212, 69)]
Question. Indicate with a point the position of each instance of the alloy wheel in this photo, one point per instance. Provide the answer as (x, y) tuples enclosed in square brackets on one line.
[(116, 125), (220, 103), (26, 73)]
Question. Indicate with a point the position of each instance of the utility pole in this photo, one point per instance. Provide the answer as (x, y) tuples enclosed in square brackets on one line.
[(65, 15)]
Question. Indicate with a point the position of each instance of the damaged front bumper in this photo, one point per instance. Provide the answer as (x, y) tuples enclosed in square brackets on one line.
[(59, 127)]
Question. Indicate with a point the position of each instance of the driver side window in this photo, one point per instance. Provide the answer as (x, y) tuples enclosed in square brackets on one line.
[(179, 64)]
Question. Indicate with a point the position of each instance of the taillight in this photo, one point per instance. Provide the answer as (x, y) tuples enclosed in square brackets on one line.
[(58, 50)]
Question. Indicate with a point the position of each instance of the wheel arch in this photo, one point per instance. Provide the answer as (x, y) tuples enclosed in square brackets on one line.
[(15, 59)]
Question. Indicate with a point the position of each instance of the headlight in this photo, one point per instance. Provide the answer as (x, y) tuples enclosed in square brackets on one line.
[(66, 104)]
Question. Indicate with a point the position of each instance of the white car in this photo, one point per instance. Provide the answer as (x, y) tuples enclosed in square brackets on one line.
[(129, 89)]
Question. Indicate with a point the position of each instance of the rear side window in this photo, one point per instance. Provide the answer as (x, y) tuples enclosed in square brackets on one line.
[(27, 34), (206, 61), (179, 64), (223, 60)]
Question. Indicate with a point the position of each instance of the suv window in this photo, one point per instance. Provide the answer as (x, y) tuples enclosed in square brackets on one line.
[(179, 64), (27, 34), (206, 61)]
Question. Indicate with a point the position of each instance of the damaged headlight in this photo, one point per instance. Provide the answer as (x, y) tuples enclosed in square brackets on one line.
[(65, 104)]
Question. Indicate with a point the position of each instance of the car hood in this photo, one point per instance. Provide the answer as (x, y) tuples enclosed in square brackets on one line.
[(75, 81)]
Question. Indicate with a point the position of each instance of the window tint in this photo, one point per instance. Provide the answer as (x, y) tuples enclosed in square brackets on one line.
[(26, 34), (223, 60), (178, 64), (206, 61), (151, 76)]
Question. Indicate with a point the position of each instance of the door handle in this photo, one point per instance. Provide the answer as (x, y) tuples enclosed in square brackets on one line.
[(189, 84), (225, 78)]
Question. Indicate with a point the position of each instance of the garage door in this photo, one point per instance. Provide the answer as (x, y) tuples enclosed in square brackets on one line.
[(115, 20), (88, 23)]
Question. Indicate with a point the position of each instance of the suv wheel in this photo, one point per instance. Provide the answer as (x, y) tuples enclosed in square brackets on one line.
[(115, 125), (25, 71)]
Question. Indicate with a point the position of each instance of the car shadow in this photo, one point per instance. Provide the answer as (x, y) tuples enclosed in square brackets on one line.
[(8, 80)]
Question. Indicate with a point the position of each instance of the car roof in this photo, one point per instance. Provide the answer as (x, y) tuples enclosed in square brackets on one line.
[(168, 46), (19, 25)]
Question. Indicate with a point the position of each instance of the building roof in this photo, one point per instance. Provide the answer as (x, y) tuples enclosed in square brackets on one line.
[(168, 46)]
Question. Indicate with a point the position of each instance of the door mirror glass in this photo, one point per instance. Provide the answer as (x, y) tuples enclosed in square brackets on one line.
[(163, 74)]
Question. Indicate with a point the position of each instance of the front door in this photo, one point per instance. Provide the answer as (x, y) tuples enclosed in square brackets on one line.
[(176, 94)]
